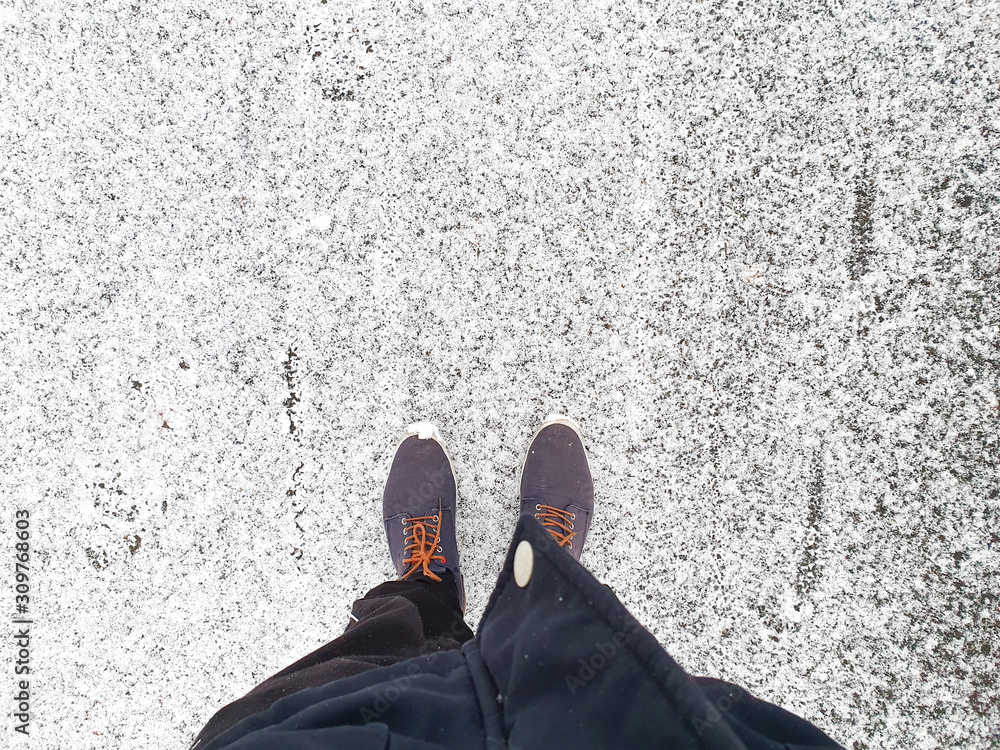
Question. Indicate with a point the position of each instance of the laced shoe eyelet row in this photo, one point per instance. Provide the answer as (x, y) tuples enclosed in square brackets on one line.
[(558, 522), (421, 540)]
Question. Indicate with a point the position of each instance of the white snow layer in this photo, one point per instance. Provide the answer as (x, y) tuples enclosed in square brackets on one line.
[(751, 247), (424, 431), (321, 223)]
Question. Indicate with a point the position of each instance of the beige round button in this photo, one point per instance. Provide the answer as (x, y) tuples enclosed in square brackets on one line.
[(524, 561)]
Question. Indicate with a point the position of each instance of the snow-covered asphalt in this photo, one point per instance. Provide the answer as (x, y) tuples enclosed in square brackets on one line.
[(751, 246)]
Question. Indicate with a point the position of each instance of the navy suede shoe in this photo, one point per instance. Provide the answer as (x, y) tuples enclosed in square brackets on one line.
[(556, 486), (418, 508)]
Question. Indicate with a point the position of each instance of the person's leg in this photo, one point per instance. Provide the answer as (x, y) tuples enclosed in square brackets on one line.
[(395, 621), (420, 613)]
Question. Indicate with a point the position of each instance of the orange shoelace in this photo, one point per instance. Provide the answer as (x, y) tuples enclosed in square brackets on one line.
[(422, 536), (558, 522)]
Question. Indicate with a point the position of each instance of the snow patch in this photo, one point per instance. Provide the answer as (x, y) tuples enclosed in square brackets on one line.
[(424, 431), (321, 222)]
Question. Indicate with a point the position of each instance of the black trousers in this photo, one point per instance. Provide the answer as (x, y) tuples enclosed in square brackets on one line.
[(393, 622)]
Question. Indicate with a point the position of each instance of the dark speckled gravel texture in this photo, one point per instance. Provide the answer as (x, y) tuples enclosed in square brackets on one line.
[(751, 246)]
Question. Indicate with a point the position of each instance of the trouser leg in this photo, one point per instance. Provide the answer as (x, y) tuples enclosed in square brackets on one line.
[(395, 621)]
